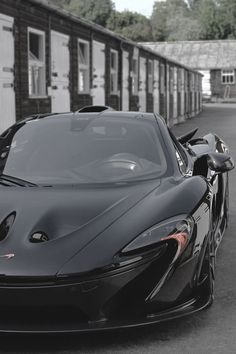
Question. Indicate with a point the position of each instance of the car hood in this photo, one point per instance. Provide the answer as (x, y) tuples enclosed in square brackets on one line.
[(174, 196), (71, 217)]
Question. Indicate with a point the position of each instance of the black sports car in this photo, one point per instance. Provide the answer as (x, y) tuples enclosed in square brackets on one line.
[(107, 221)]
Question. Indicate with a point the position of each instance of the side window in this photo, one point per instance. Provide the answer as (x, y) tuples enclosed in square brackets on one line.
[(180, 160), (179, 153)]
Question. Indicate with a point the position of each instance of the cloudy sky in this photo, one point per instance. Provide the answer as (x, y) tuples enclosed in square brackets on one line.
[(142, 6)]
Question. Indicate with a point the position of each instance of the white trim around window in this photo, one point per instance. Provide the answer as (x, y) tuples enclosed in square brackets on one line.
[(228, 76), (114, 72), (83, 66), (36, 63)]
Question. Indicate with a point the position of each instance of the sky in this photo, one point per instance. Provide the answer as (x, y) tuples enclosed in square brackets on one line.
[(142, 6)]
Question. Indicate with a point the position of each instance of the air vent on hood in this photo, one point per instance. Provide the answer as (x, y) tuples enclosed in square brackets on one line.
[(6, 225), (89, 109), (38, 237)]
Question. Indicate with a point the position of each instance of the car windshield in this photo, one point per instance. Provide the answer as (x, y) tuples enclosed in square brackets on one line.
[(83, 148)]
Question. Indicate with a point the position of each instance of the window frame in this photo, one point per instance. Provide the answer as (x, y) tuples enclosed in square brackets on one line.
[(114, 72), (226, 74), (38, 63), (84, 67)]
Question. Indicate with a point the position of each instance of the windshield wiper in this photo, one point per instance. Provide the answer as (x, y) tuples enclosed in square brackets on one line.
[(16, 181)]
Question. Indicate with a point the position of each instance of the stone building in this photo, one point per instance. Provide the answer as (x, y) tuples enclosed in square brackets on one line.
[(216, 60)]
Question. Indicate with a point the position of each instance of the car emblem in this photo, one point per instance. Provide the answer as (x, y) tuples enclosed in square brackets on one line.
[(7, 256)]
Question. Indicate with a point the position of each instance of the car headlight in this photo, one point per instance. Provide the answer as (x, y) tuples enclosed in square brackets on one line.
[(177, 230)]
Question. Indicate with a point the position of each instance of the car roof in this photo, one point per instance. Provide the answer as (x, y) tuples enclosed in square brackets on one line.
[(105, 113)]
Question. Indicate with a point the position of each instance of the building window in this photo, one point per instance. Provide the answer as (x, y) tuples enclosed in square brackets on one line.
[(135, 76), (227, 76), (114, 71), (36, 63), (150, 76), (84, 66)]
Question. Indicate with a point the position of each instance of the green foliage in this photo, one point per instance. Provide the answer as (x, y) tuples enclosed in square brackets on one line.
[(171, 20), (205, 12), (226, 18), (131, 25), (159, 20), (97, 11), (177, 32)]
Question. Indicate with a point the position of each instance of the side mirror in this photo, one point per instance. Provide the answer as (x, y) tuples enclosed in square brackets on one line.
[(219, 162)]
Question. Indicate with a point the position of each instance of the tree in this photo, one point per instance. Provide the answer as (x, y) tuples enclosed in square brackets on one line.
[(205, 12), (158, 21), (191, 30), (169, 20), (131, 25), (97, 11), (226, 18)]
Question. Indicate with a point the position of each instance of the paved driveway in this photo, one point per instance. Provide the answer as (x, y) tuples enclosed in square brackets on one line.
[(210, 331)]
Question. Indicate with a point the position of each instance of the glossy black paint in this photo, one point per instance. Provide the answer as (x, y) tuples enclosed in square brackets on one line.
[(71, 282)]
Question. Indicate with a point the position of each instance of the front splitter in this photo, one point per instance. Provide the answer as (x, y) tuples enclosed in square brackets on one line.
[(187, 308)]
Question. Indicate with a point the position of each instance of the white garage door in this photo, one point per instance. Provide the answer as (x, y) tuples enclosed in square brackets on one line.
[(7, 59), (98, 92), (125, 81), (156, 91), (142, 85), (60, 67)]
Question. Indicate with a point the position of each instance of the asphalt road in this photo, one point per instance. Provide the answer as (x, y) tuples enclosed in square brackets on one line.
[(209, 331)]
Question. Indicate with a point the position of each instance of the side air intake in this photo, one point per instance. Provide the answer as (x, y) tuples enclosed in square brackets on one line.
[(6, 225)]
